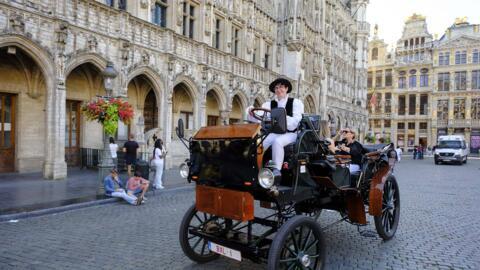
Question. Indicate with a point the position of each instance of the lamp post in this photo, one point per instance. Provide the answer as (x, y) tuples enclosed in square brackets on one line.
[(109, 74)]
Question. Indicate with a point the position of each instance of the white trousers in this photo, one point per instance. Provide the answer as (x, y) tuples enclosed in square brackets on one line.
[(278, 141), (131, 199), (158, 173), (354, 168)]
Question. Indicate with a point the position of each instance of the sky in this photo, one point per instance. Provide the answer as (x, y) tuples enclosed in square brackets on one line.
[(390, 15)]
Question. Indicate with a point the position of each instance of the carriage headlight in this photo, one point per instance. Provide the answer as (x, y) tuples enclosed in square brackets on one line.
[(266, 178), (184, 170)]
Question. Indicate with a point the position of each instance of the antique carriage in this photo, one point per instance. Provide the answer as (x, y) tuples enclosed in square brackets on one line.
[(246, 209)]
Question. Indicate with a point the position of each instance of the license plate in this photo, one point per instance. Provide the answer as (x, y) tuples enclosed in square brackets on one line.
[(227, 252)]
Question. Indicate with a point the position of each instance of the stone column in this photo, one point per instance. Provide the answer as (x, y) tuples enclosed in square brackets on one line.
[(55, 166)]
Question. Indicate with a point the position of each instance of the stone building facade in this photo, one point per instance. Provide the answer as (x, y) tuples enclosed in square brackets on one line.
[(426, 87), (201, 61)]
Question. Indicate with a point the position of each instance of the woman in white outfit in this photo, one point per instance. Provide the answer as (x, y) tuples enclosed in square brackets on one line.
[(113, 151), (158, 160)]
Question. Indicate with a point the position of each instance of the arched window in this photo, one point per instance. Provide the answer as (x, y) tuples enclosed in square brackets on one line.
[(375, 54)]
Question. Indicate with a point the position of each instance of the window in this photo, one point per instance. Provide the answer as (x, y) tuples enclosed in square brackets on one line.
[(400, 125), (412, 103), (412, 82), (377, 124), (188, 19), (217, 36), (388, 77), (476, 79), (212, 120), (443, 81), (109, 3), (378, 78), (369, 105), (369, 79), (375, 54), (423, 104), (461, 80), (476, 56), (122, 4), (475, 108), (442, 109), (235, 41), (268, 52), (444, 59), (187, 118), (388, 102), (411, 125), (387, 123), (459, 108), (402, 82), (423, 125), (256, 51), (159, 13), (423, 80), (460, 57), (401, 105)]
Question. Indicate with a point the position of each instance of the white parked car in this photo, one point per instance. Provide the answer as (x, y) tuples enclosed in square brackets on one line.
[(451, 148)]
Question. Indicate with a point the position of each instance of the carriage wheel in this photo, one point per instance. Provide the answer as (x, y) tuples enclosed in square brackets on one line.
[(196, 247), (298, 244), (387, 223)]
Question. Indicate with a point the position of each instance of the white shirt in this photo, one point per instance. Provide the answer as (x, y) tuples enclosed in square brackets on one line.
[(292, 121), (113, 150)]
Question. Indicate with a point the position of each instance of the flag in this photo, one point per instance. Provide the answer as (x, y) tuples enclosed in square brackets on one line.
[(373, 101)]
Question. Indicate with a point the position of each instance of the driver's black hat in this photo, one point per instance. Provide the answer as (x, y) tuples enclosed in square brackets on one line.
[(281, 81)]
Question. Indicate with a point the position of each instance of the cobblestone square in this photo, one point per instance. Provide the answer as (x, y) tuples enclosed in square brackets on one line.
[(439, 229)]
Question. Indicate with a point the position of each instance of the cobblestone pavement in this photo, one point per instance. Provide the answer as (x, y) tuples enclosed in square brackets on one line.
[(439, 229)]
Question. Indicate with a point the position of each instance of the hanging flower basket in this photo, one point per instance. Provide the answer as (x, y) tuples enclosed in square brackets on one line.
[(108, 111)]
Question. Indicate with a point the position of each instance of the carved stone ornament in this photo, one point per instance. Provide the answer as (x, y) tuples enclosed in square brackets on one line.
[(17, 23), (180, 12), (145, 58), (62, 35), (125, 50), (144, 3), (92, 43)]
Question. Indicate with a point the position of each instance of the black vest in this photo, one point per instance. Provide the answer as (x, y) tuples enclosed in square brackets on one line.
[(288, 107)]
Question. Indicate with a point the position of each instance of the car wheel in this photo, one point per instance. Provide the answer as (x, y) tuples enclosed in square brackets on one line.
[(196, 247), (437, 162), (387, 223), (299, 244), (465, 161)]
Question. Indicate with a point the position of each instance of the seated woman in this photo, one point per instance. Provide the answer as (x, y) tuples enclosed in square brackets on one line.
[(352, 148), (324, 134)]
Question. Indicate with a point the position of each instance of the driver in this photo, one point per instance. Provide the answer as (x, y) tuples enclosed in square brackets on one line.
[(294, 107)]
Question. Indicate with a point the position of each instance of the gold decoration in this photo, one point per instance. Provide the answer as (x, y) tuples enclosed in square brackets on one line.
[(415, 17), (461, 20)]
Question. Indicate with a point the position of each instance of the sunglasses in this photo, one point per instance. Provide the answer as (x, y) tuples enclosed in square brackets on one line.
[(346, 131)]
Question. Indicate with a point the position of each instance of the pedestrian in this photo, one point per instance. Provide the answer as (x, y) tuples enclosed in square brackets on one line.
[(294, 108), (325, 134), (113, 152), (157, 162), (138, 185), (114, 188), (130, 148), (415, 152), (399, 153)]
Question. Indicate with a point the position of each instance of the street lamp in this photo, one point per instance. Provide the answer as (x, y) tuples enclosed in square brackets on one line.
[(109, 74)]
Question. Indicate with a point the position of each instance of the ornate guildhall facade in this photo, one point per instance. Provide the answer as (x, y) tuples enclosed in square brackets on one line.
[(202, 61)]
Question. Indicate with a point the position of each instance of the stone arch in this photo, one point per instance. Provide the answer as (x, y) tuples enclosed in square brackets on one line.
[(310, 106), (220, 94), (82, 58), (42, 57), (191, 84), (186, 85), (37, 79), (237, 114), (259, 100), (243, 98), (157, 80)]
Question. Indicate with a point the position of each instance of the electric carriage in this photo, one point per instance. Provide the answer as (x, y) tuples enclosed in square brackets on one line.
[(234, 178)]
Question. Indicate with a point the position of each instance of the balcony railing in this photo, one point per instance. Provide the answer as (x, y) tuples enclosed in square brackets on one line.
[(442, 123)]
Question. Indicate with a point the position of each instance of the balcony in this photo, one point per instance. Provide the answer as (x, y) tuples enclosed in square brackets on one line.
[(458, 123), (475, 123), (442, 123), (363, 27)]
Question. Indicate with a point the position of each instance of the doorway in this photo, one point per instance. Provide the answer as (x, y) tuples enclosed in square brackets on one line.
[(72, 133), (7, 133)]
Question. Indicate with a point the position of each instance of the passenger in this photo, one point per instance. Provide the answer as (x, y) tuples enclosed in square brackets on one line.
[(114, 188), (159, 154), (352, 148), (138, 185), (326, 135), (294, 107)]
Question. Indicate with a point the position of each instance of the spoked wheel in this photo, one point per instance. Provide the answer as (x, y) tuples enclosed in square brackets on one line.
[(196, 247), (387, 223), (299, 244)]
